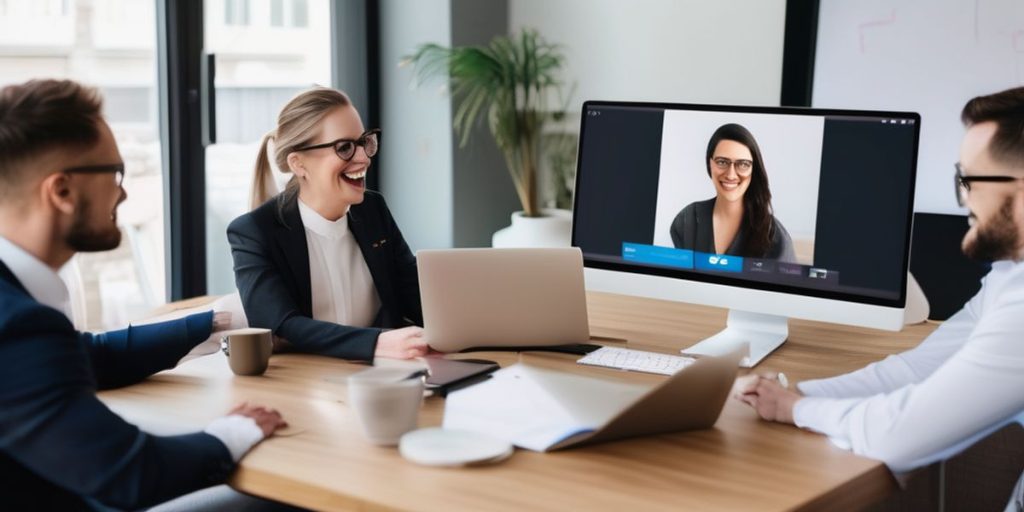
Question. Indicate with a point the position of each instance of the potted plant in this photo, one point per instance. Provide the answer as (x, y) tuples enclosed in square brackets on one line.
[(508, 84)]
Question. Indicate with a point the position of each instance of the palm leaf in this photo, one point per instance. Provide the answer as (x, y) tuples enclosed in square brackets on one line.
[(505, 84)]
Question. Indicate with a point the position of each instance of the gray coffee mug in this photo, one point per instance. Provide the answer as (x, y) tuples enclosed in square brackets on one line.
[(248, 350), (386, 402)]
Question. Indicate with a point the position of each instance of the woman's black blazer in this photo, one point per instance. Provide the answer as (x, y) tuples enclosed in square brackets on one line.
[(271, 258)]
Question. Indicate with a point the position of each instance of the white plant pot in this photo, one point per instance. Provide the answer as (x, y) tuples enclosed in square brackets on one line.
[(554, 229)]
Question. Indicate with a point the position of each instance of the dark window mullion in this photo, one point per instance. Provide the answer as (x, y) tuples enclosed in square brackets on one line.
[(373, 77), (800, 40), (180, 44)]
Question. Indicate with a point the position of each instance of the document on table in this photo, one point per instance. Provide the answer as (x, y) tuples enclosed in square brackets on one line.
[(538, 409)]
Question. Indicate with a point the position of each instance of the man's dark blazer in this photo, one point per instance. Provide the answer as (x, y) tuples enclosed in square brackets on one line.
[(272, 273), (63, 449)]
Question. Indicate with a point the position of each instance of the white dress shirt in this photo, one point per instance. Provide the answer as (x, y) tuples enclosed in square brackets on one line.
[(963, 382), (341, 284), (41, 281), (238, 433)]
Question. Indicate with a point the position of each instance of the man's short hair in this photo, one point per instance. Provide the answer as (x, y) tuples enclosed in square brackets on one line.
[(1006, 109), (39, 116)]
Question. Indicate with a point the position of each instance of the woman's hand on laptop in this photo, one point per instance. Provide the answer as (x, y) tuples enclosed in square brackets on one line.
[(404, 343)]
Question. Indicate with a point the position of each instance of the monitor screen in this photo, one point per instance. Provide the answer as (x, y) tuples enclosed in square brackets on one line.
[(804, 201)]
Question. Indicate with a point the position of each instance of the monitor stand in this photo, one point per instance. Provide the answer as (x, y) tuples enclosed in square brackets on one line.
[(762, 334)]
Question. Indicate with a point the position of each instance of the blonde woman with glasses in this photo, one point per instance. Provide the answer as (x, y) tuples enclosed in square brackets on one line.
[(323, 263)]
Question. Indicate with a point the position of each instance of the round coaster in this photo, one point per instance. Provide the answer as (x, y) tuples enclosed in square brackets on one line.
[(444, 447)]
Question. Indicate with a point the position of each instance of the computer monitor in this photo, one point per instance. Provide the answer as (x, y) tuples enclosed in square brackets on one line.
[(770, 212)]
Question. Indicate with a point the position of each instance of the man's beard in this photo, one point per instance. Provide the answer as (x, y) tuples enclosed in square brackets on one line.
[(82, 238), (996, 239)]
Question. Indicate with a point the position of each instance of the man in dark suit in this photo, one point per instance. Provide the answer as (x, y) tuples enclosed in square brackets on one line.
[(60, 447)]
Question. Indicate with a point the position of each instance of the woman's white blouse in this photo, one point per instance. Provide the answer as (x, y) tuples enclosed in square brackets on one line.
[(961, 383), (343, 289)]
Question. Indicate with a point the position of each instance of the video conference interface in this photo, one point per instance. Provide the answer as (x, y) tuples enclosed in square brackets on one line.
[(811, 202)]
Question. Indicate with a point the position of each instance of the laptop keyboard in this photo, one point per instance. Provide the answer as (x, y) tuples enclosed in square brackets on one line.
[(636, 360)]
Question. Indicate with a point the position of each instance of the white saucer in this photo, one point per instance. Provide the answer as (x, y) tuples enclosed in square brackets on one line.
[(445, 447)]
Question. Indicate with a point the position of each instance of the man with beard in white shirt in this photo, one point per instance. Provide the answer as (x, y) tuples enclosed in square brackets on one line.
[(966, 379)]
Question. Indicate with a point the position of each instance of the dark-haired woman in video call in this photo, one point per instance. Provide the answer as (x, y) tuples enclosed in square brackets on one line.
[(738, 221)]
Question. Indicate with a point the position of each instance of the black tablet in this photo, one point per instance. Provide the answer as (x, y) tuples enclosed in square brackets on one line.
[(446, 375)]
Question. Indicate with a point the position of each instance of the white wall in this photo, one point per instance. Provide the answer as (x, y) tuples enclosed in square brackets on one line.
[(686, 51), (417, 140), (927, 57)]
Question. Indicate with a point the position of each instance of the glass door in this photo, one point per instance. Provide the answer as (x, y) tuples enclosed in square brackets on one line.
[(265, 52)]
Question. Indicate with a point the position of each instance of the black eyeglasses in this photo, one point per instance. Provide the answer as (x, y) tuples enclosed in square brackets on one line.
[(346, 148), (117, 169), (743, 167), (963, 183)]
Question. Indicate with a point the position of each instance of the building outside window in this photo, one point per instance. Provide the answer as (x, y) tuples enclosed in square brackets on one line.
[(111, 44)]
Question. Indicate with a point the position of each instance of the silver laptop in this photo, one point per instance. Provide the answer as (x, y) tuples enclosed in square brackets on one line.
[(502, 297)]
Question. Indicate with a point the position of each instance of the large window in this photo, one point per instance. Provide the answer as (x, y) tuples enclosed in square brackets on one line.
[(266, 51), (109, 44), (236, 12), (289, 13)]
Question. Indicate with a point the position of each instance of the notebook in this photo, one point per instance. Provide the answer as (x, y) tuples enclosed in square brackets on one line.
[(544, 410)]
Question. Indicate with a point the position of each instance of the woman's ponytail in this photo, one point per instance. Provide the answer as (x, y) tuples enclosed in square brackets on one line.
[(263, 186)]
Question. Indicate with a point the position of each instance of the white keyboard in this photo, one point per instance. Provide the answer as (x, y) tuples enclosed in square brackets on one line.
[(636, 360)]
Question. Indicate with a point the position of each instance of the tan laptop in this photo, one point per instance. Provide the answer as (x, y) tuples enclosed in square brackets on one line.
[(502, 297)]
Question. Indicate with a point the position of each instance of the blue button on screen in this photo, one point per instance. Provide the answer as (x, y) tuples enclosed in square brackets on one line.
[(720, 262), (655, 255)]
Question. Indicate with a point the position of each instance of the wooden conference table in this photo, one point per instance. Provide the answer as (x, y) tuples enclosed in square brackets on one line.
[(323, 462)]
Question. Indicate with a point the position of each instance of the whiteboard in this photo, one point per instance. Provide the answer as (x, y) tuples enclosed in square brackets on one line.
[(926, 56)]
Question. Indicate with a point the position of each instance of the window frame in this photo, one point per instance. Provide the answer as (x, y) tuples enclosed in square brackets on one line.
[(181, 88)]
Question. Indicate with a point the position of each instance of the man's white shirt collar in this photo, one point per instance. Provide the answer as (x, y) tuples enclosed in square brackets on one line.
[(42, 283)]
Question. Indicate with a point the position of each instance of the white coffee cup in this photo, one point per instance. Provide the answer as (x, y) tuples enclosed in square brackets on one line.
[(386, 402)]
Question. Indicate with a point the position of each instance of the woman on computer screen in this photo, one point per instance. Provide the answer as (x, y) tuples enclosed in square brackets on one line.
[(738, 220)]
